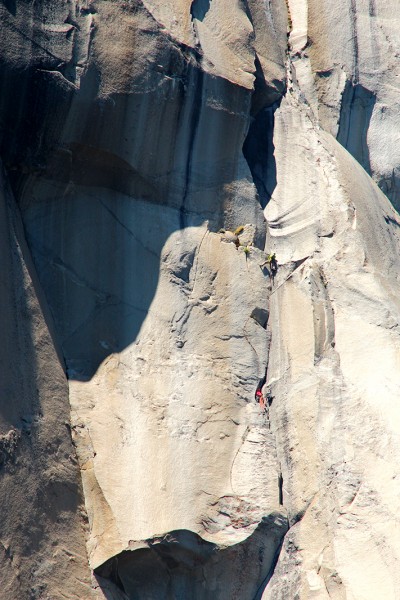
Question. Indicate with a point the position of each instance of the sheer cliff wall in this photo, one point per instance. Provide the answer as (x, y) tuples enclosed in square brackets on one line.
[(135, 460)]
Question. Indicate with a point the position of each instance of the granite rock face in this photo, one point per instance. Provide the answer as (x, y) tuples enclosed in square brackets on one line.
[(43, 518), (154, 154), (345, 59)]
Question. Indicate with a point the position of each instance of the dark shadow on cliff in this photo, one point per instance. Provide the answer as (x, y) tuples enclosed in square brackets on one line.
[(356, 111), (181, 565), (258, 150), (100, 194), (355, 115), (391, 221), (40, 490), (11, 6), (199, 9)]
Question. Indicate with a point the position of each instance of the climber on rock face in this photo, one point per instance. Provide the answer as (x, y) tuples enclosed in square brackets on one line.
[(269, 398), (260, 398), (273, 263)]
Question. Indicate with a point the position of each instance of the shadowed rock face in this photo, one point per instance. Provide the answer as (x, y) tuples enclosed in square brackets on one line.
[(125, 159), (43, 521), (174, 144), (357, 108), (138, 192), (130, 133), (182, 565)]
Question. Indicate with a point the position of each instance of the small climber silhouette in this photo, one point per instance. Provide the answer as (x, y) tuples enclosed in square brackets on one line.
[(269, 398), (273, 263)]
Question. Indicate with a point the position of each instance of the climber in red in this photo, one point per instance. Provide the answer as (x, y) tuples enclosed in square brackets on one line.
[(260, 398)]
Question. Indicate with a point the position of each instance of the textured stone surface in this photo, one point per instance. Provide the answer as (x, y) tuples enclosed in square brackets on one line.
[(333, 369), (131, 133), (194, 441), (346, 60), (43, 521)]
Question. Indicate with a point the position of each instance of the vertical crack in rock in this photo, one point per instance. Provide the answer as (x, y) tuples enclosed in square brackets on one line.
[(258, 150), (196, 107), (372, 8), (280, 485), (354, 30)]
